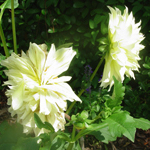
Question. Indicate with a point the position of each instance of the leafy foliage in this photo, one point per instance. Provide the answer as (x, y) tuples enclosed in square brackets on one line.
[(83, 23)]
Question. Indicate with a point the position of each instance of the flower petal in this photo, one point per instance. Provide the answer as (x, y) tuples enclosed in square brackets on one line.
[(37, 56), (17, 96)]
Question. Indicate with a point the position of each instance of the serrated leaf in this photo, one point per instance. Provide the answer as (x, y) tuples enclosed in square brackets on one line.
[(103, 135), (119, 89), (142, 123), (118, 94), (122, 123)]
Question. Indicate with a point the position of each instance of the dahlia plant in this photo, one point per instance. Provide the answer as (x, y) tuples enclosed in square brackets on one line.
[(38, 94)]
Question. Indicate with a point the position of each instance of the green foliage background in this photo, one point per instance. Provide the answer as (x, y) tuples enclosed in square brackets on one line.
[(82, 23)]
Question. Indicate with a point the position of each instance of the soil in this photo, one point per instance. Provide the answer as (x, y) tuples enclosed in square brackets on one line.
[(142, 138)]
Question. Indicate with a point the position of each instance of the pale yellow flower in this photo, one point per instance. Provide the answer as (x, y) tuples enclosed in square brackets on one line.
[(123, 54), (35, 86)]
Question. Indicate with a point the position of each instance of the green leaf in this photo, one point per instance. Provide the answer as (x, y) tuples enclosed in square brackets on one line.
[(104, 28), (2, 57), (9, 135), (64, 136), (146, 66), (122, 1), (65, 45), (118, 94), (85, 12), (33, 11), (57, 144), (27, 144), (41, 125), (90, 128), (7, 4), (44, 11), (97, 19), (81, 29), (84, 114), (122, 123), (103, 135), (48, 126), (87, 35), (77, 146), (110, 2), (38, 121), (102, 48), (91, 24), (142, 123), (78, 4), (50, 2), (119, 89), (137, 8), (94, 34), (103, 40)]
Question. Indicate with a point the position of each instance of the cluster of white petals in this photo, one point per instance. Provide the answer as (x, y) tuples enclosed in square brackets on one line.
[(123, 54), (34, 86)]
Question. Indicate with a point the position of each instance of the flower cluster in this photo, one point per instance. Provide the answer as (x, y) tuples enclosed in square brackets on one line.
[(34, 86), (124, 47)]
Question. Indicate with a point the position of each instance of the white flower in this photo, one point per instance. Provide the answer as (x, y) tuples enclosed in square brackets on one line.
[(123, 54), (34, 86)]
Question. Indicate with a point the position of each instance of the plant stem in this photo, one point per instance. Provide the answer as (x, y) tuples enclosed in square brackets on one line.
[(82, 90), (13, 26), (95, 71), (72, 139), (72, 104), (3, 41), (73, 133)]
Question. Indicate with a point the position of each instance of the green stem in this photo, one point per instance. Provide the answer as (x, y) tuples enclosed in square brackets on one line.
[(82, 90), (72, 139), (13, 26), (95, 71), (72, 104), (3, 41), (73, 133)]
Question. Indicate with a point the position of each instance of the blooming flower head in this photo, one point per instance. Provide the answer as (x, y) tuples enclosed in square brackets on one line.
[(124, 46), (34, 86)]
